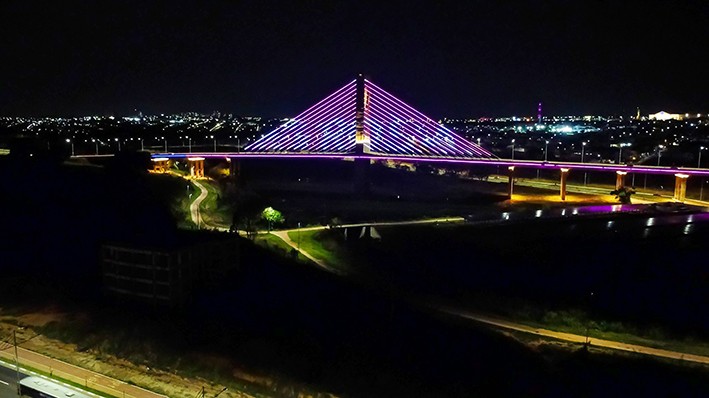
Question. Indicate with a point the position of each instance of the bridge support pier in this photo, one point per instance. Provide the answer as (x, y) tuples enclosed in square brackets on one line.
[(562, 184), (510, 181), (161, 165), (234, 167), (620, 179), (680, 187), (196, 166)]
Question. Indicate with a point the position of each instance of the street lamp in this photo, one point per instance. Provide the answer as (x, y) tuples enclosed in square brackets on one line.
[(189, 144), (96, 143), (546, 148), (215, 142), (142, 148), (72, 146), (583, 151), (659, 153), (513, 149), (620, 150), (165, 139), (119, 143), (699, 160)]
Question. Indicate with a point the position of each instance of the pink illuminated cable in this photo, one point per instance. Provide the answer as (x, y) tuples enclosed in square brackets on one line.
[(398, 116), (297, 125), (306, 126), (345, 91), (395, 124), (312, 127), (413, 113)]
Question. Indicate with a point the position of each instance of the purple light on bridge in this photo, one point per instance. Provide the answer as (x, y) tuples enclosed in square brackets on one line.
[(393, 128)]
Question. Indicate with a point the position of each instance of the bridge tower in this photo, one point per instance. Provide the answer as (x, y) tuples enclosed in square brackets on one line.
[(362, 138)]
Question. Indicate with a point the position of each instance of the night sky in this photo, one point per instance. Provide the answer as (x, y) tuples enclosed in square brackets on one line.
[(275, 58)]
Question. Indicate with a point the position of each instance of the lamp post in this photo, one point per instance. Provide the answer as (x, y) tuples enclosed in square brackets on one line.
[(165, 139), (659, 153), (142, 148), (546, 150), (189, 144), (583, 152), (513, 149), (699, 160), (96, 143), (620, 152), (72, 146), (119, 144), (215, 142)]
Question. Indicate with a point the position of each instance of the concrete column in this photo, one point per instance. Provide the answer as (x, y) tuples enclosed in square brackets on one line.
[(234, 167), (510, 181), (620, 179), (196, 166), (161, 165), (562, 185), (680, 187)]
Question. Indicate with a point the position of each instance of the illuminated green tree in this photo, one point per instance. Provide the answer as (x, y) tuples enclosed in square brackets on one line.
[(273, 216)]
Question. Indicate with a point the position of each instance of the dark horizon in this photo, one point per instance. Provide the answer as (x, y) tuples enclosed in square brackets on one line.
[(446, 59)]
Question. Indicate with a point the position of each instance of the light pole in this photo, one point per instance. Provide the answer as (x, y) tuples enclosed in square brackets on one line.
[(119, 144), (238, 144), (546, 150), (215, 142), (583, 152), (142, 148), (165, 139), (189, 144), (659, 153), (699, 160), (96, 143), (72, 146), (17, 363), (513, 149), (620, 152), (701, 190)]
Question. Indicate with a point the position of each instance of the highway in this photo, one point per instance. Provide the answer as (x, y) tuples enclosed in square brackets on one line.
[(8, 387)]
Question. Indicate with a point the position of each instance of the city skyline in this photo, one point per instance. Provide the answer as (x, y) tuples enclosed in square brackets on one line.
[(271, 59)]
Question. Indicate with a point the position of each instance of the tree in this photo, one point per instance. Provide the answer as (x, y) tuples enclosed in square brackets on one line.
[(273, 216), (623, 194)]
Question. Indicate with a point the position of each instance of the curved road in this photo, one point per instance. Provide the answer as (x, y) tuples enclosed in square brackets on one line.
[(194, 206)]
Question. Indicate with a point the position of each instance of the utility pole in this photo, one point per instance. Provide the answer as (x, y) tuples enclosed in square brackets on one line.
[(17, 363)]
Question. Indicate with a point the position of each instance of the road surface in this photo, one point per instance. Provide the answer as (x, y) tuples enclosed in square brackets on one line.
[(575, 338), (194, 206), (8, 387), (74, 374)]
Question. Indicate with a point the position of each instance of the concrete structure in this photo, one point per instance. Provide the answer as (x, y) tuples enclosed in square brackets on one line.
[(620, 179), (161, 165), (166, 274), (562, 184), (196, 166), (510, 181), (680, 187)]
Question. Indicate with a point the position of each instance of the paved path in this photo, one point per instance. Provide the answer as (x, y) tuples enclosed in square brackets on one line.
[(84, 377), (320, 263), (194, 206), (575, 338), (283, 234)]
